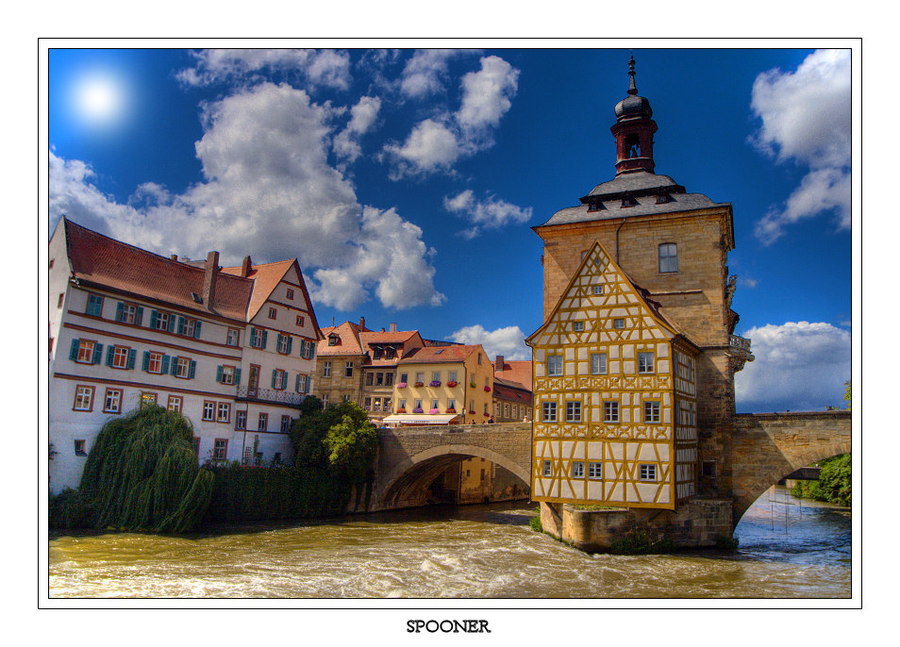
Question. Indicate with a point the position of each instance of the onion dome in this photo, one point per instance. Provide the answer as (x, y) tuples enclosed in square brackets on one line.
[(633, 105)]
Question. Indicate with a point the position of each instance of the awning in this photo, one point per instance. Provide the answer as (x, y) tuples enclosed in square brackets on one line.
[(420, 418)]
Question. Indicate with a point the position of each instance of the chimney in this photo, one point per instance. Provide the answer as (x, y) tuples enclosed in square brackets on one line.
[(500, 363), (245, 266), (394, 327), (174, 257), (209, 279), (362, 322)]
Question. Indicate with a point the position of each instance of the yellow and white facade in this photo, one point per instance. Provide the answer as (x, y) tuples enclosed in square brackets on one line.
[(614, 396)]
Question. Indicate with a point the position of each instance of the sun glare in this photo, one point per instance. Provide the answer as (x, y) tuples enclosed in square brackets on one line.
[(99, 99)]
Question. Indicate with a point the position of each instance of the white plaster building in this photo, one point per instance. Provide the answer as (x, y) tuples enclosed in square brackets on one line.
[(232, 348)]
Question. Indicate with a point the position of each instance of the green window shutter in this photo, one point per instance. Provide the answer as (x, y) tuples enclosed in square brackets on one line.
[(252, 336), (165, 364), (98, 354), (274, 374), (154, 317), (180, 325), (131, 355), (297, 384), (237, 376), (171, 323), (120, 311), (73, 352), (290, 343), (302, 347), (139, 317), (191, 369), (109, 355), (174, 366), (265, 338), (146, 363), (219, 370), (197, 330)]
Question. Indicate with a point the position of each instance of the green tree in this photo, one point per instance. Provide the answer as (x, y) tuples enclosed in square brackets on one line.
[(847, 394)]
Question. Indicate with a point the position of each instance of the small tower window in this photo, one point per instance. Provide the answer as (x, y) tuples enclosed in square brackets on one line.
[(632, 146), (668, 257)]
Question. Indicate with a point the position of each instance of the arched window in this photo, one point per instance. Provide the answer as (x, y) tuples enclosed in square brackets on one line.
[(668, 257), (632, 146)]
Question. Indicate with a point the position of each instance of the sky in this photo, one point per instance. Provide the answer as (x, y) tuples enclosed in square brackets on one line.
[(407, 181)]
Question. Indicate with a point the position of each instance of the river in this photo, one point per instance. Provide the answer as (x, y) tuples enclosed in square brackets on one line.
[(787, 550)]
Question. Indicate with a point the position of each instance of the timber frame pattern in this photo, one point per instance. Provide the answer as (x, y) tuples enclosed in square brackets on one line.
[(612, 427)]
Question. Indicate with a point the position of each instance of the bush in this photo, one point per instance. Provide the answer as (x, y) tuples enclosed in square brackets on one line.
[(535, 523), (639, 542), (834, 484), (70, 509)]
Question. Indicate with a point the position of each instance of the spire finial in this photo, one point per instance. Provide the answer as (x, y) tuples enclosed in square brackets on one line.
[(632, 88)]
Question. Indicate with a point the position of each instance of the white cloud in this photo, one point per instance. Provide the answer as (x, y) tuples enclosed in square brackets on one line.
[(800, 366), (320, 67), (485, 214), (362, 117), (425, 72), (508, 341), (269, 191), (436, 143), (806, 119)]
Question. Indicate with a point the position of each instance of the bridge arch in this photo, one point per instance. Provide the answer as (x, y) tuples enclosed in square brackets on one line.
[(428, 464)]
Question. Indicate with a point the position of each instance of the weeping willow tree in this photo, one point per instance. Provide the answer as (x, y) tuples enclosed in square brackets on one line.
[(142, 474)]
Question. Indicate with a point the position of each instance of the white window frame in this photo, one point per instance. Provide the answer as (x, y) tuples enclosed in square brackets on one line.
[(84, 398), (120, 356), (326, 368), (577, 469), (600, 364), (645, 362), (112, 401), (223, 412), (548, 468), (233, 337), (555, 365), (209, 411), (182, 366), (348, 369), (548, 412), (595, 470), (647, 472), (652, 412), (175, 403)]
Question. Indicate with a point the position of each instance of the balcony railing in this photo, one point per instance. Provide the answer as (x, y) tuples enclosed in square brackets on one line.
[(739, 342), (269, 395)]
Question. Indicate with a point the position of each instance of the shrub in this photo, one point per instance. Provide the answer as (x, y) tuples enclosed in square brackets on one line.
[(70, 509), (535, 523), (639, 542)]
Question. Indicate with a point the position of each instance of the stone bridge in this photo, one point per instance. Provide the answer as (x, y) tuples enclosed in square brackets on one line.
[(766, 447), (410, 458)]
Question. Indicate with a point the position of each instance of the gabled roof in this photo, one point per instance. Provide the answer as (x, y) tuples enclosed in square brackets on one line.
[(102, 261), (349, 334), (436, 354), (642, 295), (517, 371), (399, 339), (266, 278)]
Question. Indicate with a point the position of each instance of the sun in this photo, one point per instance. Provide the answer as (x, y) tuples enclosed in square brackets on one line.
[(100, 98)]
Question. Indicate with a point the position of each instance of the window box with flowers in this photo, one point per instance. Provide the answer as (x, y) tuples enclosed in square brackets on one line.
[(401, 410), (452, 384), (420, 384), (472, 384), (401, 385), (418, 410), (434, 411), (435, 383), (451, 410), (471, 412), (487, 389), (486, 414)]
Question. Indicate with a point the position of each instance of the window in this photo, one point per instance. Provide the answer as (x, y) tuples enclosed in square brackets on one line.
[(668, 257), (577, 469), (175, 403), (326, 368), (387, 404), (376, 405), (573, 412), (284, 344), (279, 379), (618, 324), (182, 367), (451, 403), (379, 379), (647, 472), (112, 402), (401, 404), (610, 411), (548, 412), (120, 357), (333, 340), (129, 313), (645, 362), (417, 406), (307, 349), (548, 468), (436, 376), (263, 422), (94, 305), (555, 365), (435, 404), (367, 404), (404, 378), (148, 398), (595, 471), (348, 369), (83, 351), (301, 383), (153, 362), (709, 469), (258, 338), (651, 412), (300, 320), (233, 337), (285, 424), (240, 419), (451, 376), (162, 320), (220, 449), (577, 326), (226, 374), (80, 448), (223, 412), (420, 378), (597, 289), (273, 313), (324, 400), (60, 300), (84, 398), (598, 363), (209, 410), (388, 379), (290, 294)]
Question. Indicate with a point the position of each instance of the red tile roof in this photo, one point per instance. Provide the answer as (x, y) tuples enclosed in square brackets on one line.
[(349, 340), (435, 354), (515, 371), (513, 391)]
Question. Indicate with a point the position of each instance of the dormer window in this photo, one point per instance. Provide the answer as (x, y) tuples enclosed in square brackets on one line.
[(628, 201), (334, 340)]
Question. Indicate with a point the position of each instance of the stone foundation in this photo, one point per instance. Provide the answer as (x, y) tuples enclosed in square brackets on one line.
[(698, 523)]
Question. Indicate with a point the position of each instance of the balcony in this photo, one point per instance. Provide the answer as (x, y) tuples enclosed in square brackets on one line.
[(272, 396), (740, 352)]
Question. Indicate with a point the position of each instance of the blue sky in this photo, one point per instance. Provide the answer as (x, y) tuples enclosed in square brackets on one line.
[(406, 181)]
